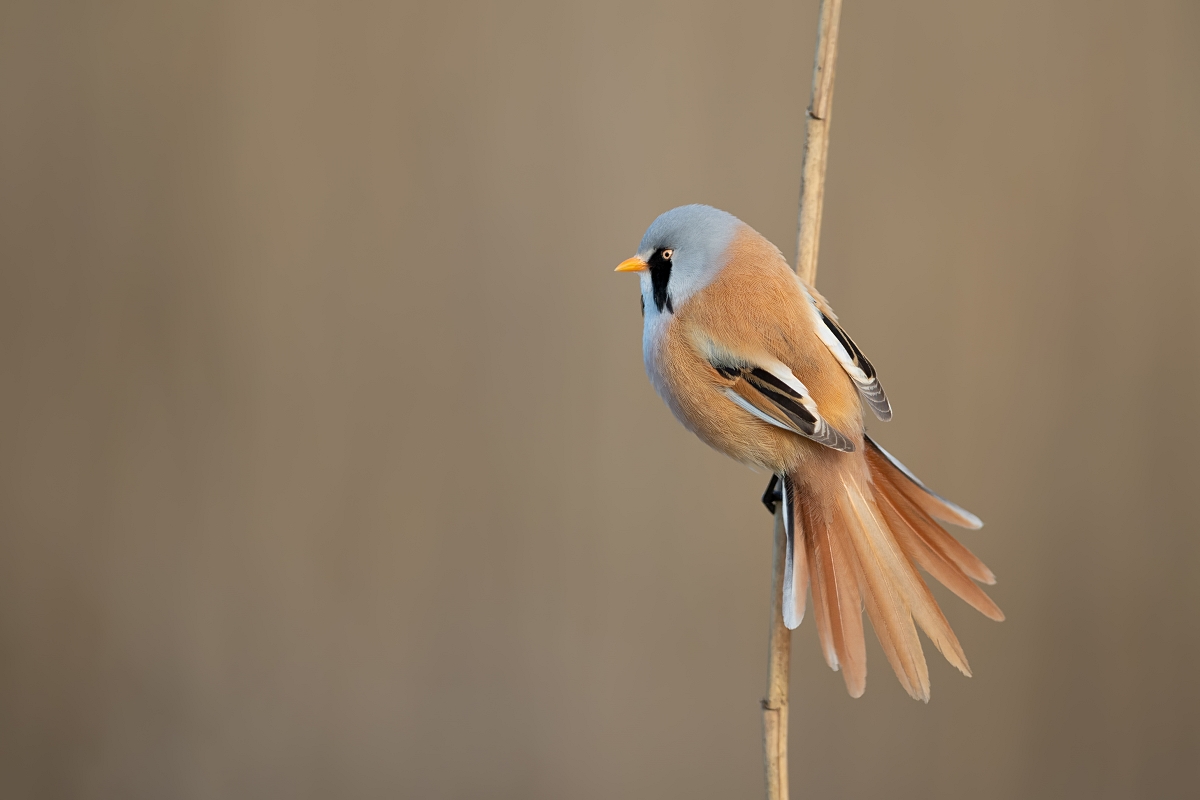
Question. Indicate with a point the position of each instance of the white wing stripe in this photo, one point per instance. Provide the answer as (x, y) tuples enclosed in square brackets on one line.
[(748, 406)]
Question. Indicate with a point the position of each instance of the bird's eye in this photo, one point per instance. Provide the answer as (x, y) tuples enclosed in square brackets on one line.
[(666, 254)]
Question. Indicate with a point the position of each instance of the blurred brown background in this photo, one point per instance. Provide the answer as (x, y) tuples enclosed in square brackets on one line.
[(328, 467)]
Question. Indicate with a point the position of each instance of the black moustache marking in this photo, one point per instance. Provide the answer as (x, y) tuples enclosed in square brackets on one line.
[(660, 276)]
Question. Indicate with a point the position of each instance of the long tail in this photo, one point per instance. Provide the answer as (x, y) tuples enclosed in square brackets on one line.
[(857, 540)]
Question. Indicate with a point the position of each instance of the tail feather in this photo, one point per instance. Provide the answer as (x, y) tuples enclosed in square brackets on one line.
[(898, 487), (912, 590), (795, 576), (853, 653), (914, 676), (885, 589), (837, 603), (863, 536), (933, 561), (818, 556), (925, 498)]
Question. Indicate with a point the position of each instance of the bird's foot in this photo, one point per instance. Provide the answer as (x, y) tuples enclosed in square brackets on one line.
[(773, 494)]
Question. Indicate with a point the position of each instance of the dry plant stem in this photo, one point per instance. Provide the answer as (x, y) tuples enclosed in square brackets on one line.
[(779, 659), (812, 194), (816, 141)]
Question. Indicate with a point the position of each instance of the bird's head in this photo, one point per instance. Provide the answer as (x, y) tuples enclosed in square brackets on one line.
[(681, 252)]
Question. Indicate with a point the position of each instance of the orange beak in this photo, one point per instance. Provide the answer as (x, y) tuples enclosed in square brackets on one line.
[(634, 264)]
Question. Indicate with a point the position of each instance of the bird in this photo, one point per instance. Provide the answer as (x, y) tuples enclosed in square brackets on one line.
[(753, 361)]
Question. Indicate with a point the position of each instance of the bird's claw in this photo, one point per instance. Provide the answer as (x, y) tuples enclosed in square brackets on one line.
[(772, 495)]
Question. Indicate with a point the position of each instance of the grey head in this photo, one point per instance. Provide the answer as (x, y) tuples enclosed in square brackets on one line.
[(681, 253)]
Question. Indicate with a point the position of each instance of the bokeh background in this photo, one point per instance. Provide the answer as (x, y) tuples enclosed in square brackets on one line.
[(328, 467)]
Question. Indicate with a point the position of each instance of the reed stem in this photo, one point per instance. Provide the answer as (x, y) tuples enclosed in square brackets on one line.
[(812, 195)]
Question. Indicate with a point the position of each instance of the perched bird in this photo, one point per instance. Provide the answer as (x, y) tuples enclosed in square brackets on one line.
[(753, 361)]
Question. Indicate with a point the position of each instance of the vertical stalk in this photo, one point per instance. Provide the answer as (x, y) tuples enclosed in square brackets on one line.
[(816, 142), (812, 196), (779, 659)]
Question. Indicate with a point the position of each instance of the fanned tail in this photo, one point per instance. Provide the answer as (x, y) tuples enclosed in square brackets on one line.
[(862, 533)]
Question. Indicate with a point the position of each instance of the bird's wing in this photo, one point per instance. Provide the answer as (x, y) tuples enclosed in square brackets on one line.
[(848, 355), (770, 391)]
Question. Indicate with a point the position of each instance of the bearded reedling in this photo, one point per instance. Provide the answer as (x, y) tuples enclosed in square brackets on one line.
[(753, 361)]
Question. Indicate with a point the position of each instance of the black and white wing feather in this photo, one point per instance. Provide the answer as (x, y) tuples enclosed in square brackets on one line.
[(775, 396), (851, 358), (856, 365)]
